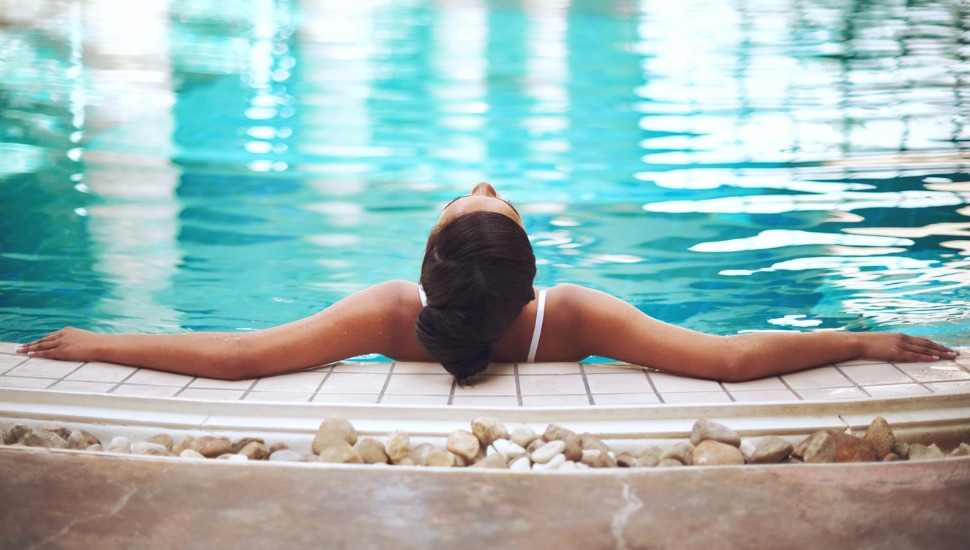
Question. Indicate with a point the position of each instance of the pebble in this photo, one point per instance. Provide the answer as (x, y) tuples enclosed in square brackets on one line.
[(536, 443), (891, 457), (605, 460), (338, 451), (397, 446), (771, 450), (962, 450), (119, 444), (590, 455), (574, 447), (241, 443), (183, 443), (63, 432), (440, 458), (496, 461), (507, 448), (488, 428), (523, 436), (568, 465), (521, 464), (918, 451), (254, 450), (747, 448), (44, 438), (708, 430), (681, 451), (589, 441), (901, 449), (234, 457), (880, 437), (626, 460), (464, 444), (278, 446), (553, 463), (648, 461), (190, 453), (148, 448), (847, 448), (164, 440), (80, 439), (211, 446), (654, 451), (371, 451), (555, 432), (13, 433), (419, 453), (96, 448), (334, 427), (819, 447), (670, 463), (286, 455), (715, 453), (547, 452)]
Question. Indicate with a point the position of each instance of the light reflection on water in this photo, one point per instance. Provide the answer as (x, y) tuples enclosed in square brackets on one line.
[(182, 165)]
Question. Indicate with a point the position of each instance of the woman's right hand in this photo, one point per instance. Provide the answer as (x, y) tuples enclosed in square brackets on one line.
[(67, 344), (889, 346)]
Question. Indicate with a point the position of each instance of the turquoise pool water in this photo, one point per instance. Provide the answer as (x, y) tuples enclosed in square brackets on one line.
[(181, 165)]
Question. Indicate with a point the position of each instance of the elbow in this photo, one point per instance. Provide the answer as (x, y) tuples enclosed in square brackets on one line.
[(734, 367), (232, 361)]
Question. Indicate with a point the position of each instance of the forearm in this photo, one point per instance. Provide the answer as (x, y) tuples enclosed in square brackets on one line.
[(202, 354), (756, 355)]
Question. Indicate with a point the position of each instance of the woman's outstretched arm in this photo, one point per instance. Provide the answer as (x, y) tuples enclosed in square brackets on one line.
[(608, 327), (366, 322)]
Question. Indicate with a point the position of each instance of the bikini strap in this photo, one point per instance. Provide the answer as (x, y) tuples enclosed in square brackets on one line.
[(537, 331)]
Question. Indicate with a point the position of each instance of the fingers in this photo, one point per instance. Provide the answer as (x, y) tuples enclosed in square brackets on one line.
[(922, 349), (43, 344)]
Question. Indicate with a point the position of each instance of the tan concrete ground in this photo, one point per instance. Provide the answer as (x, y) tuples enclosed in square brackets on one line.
[(67, 500)]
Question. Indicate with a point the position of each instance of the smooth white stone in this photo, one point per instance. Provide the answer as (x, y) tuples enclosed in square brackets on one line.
[(521, 464), (507, 448), (747, 448), (553, 464), (545, 453)]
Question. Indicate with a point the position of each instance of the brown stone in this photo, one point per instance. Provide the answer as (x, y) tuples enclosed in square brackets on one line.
[(338, 451), (13, 433), (488, 428), (80, 439), (591, 442), (574, 447), (647, 461), (880, 437), (846, 448), (441, 458), (626, 460), (241, 443), (555, 432), (669, 463), (962, 450), (495, 461), (183, 443), (254, 450), (464, 444), (164, 440), (708, 430), (891, 457), (397, 446), (771, 450), (818, 447), (605, 460), (211, 446), (44, 438), (714, 453), (63, 432), (278, 446), (334, 427), (681, 451), (523, 436), (371, 451)]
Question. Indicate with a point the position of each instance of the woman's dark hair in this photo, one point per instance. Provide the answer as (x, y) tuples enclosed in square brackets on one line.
[(477, 273)]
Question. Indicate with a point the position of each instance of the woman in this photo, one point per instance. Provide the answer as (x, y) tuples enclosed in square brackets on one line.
[(476, 304)]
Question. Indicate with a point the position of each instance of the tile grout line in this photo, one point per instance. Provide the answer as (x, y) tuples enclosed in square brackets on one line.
[(654, 387), (851, 380), (249, 390), (320, 385), (725, 390), (183, 388), (518, 387), (123, 380), (451, 394), (22, 361), (589, 393), (791, 389), (387, 382)]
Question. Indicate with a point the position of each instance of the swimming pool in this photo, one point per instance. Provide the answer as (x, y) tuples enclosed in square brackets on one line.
[(178, 165)]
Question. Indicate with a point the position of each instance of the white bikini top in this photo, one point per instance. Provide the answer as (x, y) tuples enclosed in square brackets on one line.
[(536, 332)]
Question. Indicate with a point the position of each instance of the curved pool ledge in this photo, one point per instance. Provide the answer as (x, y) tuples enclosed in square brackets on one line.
[(618, 402)]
